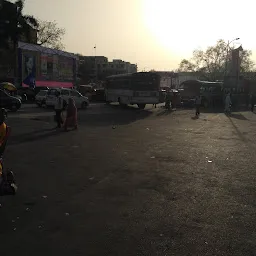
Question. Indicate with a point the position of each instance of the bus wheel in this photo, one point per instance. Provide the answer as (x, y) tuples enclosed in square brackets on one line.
[(141, 106), (121, 104)]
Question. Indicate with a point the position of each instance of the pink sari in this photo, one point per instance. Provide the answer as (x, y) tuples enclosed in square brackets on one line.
[(71, 119)]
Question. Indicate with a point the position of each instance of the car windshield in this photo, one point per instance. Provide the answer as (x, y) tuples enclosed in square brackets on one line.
[(42, 93)]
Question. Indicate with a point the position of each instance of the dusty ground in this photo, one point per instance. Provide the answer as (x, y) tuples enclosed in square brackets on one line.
[(131, 182)]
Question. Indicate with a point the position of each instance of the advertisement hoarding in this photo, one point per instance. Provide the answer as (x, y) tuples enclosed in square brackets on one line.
[(29, 69), (41, 66)]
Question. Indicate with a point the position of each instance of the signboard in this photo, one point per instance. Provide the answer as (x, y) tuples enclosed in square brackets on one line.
[(66, 69), (49, 66), (29, 70), (56, 67), (43, 65)]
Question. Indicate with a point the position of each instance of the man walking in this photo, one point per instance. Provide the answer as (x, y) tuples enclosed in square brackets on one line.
[(58, 110), (227, 104)]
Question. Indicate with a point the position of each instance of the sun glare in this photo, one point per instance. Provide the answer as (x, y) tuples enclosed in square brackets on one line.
[(175, 24), (159, 17)]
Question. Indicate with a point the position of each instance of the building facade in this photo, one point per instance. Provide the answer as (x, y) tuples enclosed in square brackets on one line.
[(8, 49), (98, 68), (41, 66)]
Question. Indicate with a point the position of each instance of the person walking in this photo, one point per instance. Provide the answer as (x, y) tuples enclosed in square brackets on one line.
[(58, 110), (198, 102), (71, 118), (168, 100), (227, 103)]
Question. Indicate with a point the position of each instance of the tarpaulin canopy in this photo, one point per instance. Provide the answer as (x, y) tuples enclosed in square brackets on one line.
[(8, 86)]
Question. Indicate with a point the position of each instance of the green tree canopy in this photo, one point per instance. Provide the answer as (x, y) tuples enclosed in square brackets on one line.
[(14, 24), (211, 64)]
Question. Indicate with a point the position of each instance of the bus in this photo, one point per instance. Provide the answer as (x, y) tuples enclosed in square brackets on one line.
[(211, 92), (137, 88)]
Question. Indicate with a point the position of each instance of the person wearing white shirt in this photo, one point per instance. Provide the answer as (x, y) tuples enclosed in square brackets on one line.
[(227, 103), (58, 110)]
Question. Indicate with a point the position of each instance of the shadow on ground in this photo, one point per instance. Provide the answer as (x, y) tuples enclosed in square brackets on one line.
[(238, 132), (164, 112), (238, 116), (34, 136), (119, 116)]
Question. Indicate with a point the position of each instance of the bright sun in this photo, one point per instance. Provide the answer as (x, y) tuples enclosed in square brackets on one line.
[(159, 17), (173, 23)]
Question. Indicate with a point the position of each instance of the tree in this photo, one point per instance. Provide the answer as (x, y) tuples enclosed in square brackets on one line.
[(50, 35), (211, 64), (15, 24)]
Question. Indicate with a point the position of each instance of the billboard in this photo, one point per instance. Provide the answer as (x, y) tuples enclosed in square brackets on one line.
[(57, 68), (41, 66), (29, 70)]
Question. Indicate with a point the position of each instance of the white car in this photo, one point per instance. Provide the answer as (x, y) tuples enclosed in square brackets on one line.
[(41, 98), (80, 100)]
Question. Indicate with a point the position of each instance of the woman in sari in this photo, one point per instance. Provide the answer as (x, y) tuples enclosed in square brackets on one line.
[(71, 119)]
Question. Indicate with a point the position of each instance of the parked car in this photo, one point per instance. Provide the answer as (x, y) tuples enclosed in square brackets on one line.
[(40, 88), (27, 93), (9, 102), (80, 100), (99, 95), (41, 98), (87, 91)]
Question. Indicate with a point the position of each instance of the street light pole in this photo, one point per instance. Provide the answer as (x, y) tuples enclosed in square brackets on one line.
[(228, 44), (96, 73)]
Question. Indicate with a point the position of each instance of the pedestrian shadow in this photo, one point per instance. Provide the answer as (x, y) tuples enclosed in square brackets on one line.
[(26, 138), (33, 133), (240, 135), (238, 116), (164, 112), (194, 117)]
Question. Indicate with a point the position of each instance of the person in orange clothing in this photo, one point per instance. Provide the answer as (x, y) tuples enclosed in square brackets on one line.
[(7, 183), (3, 131)]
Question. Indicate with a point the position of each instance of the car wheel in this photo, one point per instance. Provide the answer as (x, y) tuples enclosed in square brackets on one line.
[(123, 105), (141, 106), (84, 105)]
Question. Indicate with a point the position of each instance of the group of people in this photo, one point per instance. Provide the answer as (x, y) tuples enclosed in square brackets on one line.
[(227, 108), (71, 113)]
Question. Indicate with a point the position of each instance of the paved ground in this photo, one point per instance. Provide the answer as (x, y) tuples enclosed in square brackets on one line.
[(131, 182)]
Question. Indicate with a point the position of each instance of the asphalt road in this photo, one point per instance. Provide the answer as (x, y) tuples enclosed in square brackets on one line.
[(131, 182)]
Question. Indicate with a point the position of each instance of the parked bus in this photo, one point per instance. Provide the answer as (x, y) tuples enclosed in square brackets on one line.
[(211, 92), (138, 88)]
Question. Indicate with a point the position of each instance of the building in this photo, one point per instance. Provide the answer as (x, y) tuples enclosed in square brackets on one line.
[(117, 67), (8, 53), (98, 68), (41, 66)]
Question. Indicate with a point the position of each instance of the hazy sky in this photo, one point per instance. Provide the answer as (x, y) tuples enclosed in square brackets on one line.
[(155, 34)]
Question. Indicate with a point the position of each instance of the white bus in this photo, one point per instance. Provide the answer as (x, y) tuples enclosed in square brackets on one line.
[(138, 88)]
